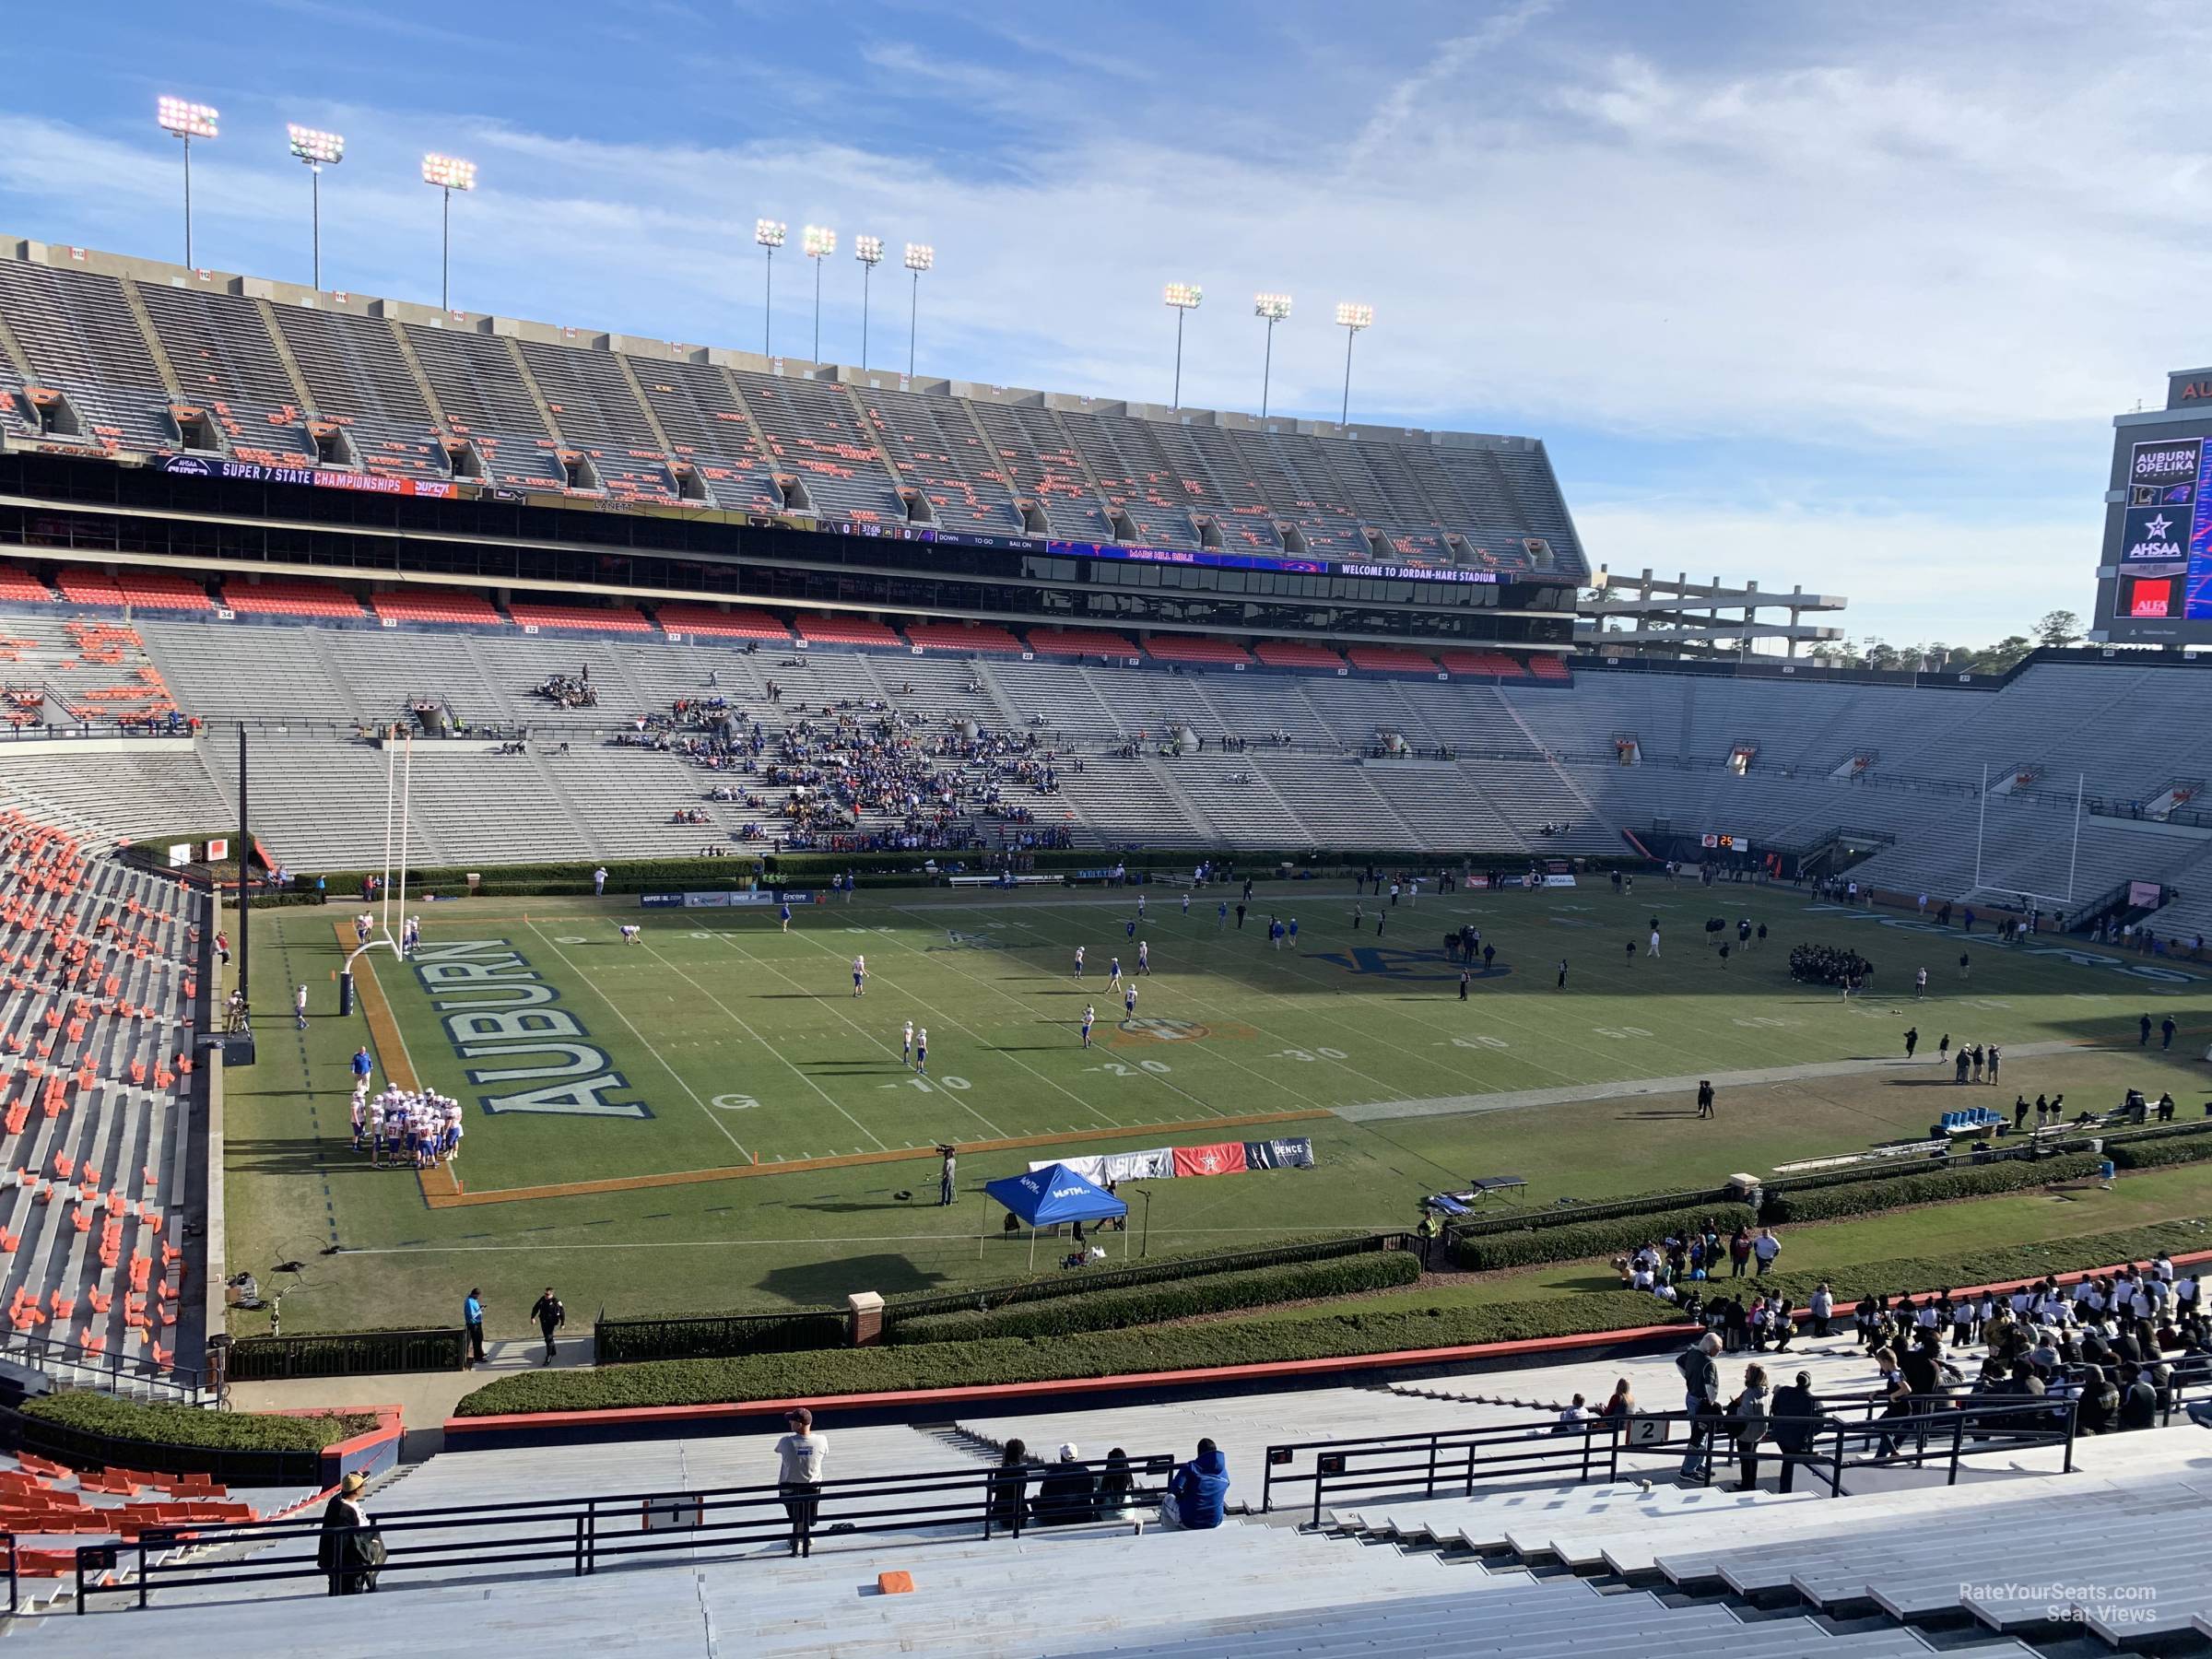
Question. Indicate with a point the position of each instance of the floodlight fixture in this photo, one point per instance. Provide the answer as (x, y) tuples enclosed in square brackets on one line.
[(770, 233), (1182, 297), (181, 118), (1270, 308), (1351, 317), (819, 243), (919, 257), (186, 120), (868, 250), (448, 173), (318, 149)]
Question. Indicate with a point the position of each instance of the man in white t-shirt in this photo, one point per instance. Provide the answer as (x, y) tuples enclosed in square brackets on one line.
[(799, 1456)]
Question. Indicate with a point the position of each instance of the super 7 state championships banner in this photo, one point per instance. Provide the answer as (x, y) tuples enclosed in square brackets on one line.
[(1160, 1163)]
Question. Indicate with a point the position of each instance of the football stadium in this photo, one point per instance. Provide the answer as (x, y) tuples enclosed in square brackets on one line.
[(658, 994)]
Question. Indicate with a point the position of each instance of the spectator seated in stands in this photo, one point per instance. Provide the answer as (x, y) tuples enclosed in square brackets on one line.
[(569, 691), (1197, 1491), (1067, 1494)]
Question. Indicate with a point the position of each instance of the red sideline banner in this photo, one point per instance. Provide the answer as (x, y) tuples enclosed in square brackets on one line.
[(1226, 1158)]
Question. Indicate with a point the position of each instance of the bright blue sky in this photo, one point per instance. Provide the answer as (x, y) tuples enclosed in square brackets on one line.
[(1841, 296)]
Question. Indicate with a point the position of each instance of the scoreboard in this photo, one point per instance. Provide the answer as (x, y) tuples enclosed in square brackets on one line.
[(2155, 568)]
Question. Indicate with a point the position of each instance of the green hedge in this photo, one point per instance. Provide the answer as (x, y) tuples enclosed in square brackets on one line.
[(2152, 1154), (113, 1419), (1024, 1360), (1150, 1304), (1864, 1197), (1575, 1240), (1342, 1335)]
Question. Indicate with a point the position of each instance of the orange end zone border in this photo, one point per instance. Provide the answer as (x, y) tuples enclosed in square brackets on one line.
[(440, 1191)]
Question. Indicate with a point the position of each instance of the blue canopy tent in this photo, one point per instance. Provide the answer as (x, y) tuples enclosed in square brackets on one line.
[(1049, 1196)]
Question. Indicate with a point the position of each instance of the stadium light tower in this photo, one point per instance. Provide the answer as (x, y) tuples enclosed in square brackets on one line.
[(1182, 297), (449, 173), (768, 233), (868, 250), (920, 256), (820, 242), (1352, 318), (1270, 308), (187, 121), (319, 151)]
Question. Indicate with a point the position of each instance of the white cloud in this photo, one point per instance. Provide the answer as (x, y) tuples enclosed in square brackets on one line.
[(1911, 239), (1911, 578)]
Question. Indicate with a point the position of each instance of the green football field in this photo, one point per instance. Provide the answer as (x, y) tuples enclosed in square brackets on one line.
[(706, 1117)]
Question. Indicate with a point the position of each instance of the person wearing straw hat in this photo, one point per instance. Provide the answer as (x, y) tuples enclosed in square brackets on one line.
[(350, 1551)]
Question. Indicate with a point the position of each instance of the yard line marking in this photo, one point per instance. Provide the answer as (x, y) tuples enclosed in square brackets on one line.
[(866, 1036), (704, 1110), (1156, 1077), (893, 941)]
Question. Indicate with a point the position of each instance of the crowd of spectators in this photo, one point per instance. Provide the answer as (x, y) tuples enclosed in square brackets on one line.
[(863, 776), (569, 691)]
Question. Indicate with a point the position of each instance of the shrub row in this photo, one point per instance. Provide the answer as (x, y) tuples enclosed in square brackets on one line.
[(1864, 1197), (1151, 1304), (113, 1419), (2160, 1152), (1575, 1240), (1025, 1360), (629, 1341), (1341, 1336)]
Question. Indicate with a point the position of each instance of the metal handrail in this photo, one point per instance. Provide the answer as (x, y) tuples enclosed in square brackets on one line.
[(181, 1383), (579, 1533), (1461, 1461)]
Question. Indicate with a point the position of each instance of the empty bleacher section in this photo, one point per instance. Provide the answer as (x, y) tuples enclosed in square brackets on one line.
[(290, 379), (598, 417), (935, 451), (227, 364), (484, 401), (1135, 479), (360, 383), (1043, 470), (71, 672), (817, 435), (96, 1045), (77, 329), (706, 427)]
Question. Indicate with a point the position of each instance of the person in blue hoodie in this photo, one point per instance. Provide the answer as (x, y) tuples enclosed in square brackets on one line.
[(1198, 1490)]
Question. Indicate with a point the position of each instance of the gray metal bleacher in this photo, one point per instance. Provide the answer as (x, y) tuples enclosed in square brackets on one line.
[(359, 379), (77, 329), (694, 405), (935, 450), (817, 437), (485, 401), (598, 414), (1042, 467), (223, 357)]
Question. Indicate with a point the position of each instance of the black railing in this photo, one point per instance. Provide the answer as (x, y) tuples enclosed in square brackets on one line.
[(111, 1373), (348, 1354), (579, 1536), (1459, 1462)]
